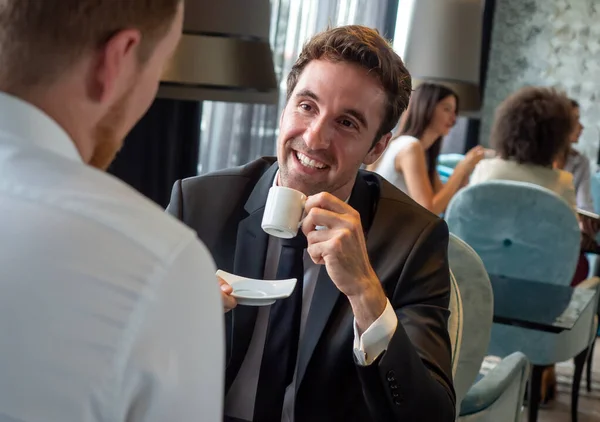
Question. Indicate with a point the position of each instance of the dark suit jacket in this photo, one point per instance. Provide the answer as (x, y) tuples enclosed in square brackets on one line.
[(407, 246)]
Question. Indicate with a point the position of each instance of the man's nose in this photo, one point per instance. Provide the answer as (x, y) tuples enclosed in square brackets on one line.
[(317, 135)]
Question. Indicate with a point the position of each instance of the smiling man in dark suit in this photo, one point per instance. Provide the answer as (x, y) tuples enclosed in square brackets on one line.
[(364, 335)]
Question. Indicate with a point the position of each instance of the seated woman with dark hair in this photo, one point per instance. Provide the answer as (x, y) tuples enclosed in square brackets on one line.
[(410, 160), (577, 164), (531, 130)]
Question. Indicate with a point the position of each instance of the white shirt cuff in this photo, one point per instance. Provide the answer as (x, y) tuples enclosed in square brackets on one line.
[(375, 340)]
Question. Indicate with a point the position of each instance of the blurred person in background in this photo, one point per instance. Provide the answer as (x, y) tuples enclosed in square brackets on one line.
[(411, 158), (577, 164)]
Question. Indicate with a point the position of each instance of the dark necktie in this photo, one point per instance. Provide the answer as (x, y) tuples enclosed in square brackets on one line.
[(281, 345)]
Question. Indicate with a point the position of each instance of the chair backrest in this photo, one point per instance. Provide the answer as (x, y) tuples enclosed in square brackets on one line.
[(455, 322), (519, 230), (476, 297)]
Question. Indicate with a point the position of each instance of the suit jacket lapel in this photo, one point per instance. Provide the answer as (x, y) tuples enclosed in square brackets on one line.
[(326, 293), (249, 261), (323, 301)]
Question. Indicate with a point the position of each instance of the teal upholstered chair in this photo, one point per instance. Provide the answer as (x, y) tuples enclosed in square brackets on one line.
[(480, 397), (498, 395), (446, 164), (524, 231), (455, 324), (450, 160), (594, 265), (476, 300)]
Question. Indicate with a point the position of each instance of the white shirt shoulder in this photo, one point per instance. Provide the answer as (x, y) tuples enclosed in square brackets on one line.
[(105, 300)]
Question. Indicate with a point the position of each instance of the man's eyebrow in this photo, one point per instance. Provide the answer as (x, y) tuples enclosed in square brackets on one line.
[(307, 93)]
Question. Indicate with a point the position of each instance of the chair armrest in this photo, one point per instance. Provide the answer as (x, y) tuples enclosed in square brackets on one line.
[(489, 388)]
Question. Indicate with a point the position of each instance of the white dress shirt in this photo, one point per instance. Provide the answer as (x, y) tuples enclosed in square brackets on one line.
[(240, 399), (109, 307)]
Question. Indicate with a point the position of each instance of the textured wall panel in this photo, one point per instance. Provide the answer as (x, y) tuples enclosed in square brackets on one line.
[(550, 43)]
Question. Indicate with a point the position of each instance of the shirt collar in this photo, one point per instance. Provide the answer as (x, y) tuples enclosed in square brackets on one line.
[(25, 122)]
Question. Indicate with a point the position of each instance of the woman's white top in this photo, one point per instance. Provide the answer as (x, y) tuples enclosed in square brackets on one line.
[(387, 164)]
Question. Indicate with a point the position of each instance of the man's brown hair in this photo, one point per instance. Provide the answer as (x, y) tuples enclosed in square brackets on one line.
[(39, 39), (364, 47), (532, 126)]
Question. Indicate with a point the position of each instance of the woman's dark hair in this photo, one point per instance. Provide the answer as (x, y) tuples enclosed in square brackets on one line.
[(419, 115), (532, 126)]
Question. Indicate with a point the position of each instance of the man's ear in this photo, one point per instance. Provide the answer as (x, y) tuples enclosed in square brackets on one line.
[(116, 62), (377, 149)]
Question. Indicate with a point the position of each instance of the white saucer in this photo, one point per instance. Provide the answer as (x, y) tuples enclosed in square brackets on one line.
[(253, 292)]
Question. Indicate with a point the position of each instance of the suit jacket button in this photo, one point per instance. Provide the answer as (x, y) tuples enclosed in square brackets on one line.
[(393, 386), (398, 402), (395, 395), (391, 376)]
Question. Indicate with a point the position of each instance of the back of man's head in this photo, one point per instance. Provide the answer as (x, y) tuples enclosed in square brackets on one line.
[(40, 39)]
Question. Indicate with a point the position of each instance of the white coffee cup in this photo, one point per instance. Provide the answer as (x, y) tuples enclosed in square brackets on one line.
[(283, 212)]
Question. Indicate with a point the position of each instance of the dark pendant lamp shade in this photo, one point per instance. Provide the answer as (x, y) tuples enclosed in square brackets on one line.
[(224, 54), (444, 46)]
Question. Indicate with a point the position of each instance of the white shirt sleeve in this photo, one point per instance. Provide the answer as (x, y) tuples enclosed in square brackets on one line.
[(375, 340), (175, 370)]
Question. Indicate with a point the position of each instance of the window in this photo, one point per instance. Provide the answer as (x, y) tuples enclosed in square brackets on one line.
[(234, 134)]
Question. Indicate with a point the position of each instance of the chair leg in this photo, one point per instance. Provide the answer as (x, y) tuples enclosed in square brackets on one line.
[(579, 362), (588, 370), (535, 384)]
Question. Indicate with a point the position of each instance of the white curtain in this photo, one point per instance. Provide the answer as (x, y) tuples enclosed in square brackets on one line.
[(234, 134)]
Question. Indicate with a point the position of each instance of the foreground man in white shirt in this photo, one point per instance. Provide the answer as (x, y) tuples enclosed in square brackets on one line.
[(364, 335), (109, 308)]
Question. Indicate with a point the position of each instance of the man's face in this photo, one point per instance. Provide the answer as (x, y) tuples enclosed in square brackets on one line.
[(444, 116), (131, 105), (577, 126), (328, 127)]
